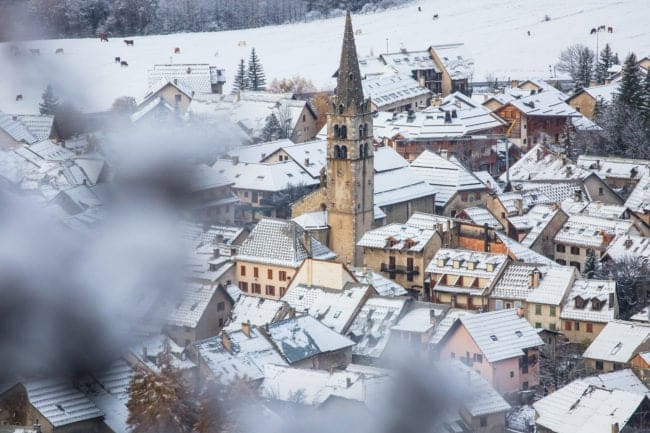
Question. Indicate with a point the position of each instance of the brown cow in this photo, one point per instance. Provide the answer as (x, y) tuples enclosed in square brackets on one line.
[(103, 37), (129, 42), (177, 50), (19, 97), (124, 64), (610, 29)]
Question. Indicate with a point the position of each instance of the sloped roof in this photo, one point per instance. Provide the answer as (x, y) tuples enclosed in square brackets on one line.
[(371, 328), (164, 82), (540, 164), (625, 380), (382, 285), (580, 407), (629, 247), (16, 129), (390, 89), (614, 167), (398, 186), (587, 290), (195, 76), (619, 341), (544, 104), (554, 282), (386, 159), (264, 177), (40, 126), (501, 334), (586, 230), (254, 310), (522, 253), (281, 242), (304, 337), (604, 92), (481, 216), (639, 199), (59, 402), (402, 236), (191, 305)]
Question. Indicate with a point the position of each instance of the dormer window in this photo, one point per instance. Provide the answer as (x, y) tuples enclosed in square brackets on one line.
[(471, 265), (489, 267), (597, 304), (456, 263), (579, 302), (441, 262)]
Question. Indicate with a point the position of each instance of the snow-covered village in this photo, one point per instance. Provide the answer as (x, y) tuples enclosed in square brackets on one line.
[(363, 216)]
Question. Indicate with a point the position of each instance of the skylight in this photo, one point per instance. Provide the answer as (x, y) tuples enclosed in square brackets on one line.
[(493, 337)]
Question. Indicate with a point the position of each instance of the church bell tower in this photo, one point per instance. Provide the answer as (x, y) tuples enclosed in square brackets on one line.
[(350, 167)]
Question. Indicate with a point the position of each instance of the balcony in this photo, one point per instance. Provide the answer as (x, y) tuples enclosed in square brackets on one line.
[(398, 269)]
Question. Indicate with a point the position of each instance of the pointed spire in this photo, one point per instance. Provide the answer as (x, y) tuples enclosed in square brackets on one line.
[(349, 91)]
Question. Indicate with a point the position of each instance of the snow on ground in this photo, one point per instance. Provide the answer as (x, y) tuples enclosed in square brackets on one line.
[(494, 32)]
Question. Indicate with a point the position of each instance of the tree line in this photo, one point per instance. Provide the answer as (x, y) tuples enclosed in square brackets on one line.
[(87, 18)]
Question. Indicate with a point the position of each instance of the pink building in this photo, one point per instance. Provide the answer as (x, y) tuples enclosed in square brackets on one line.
[(501, 346)]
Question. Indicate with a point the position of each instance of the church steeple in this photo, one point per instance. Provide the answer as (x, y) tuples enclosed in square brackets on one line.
[(349, 91)]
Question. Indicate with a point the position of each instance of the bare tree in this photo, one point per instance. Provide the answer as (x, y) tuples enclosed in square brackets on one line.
[(560, 362)]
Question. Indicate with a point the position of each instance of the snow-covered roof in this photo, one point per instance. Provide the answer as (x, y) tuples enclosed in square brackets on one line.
[(397, 237), (487, 179), (419, 319), (200, 235), (204, 178), (59, 402), (382, 285), (310, 155), (629, 247), (304, 337), (544, 104), (520, 253), (40, 126), (196, 76), (334, 308), (149, 351), (446, 176), (587, 290), (541, 164), (604, 210), (264, 177), (243, 356), (580, 407), (625, 380), (444, 325), (457, 264), (387, 159), (254, 153), (191, 305), (256, 311), (501, 334), (111, 394), (157, 103), (164, 82), (16, 129), (604, 92), (614, 167), (386, 90), (516, 283), (639, 199), (48, 150), (539, 217), (588, 231), (371, 328), (482, 216), (398, 186), (282, 243), (619, 341), (312, 220)]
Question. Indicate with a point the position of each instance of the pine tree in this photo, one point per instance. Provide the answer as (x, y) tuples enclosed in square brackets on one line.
[(615, 60), (256, 78), (629, 91), (272, 129), (590, 264), (585, 68), (645, 102), (50, 102), (604, 63), (159, 401), (241, 79)]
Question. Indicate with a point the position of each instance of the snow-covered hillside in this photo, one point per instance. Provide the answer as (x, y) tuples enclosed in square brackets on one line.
[(494, 32)]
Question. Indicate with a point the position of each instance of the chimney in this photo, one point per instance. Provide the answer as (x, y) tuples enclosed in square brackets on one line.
[(520, 312), (447, 117), (246, 328), (519, 205), (348, 382), (306, 162), (144, 353), (514, 83), (225, 341), (615, 428), (628, 242), (306, 240), (534, 277), (14, 117), (235, 160), (444, 153), (577, 194), (432, 316)]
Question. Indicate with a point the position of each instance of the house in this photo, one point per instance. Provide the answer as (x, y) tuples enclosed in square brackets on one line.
[(417, 326), (147, 354), (52, 404), (589, 307), (305, 342), (271, 255), (212, 197), (156, 111), (616, 345), (17, 130), (621, 174), (456, 187), (371, 329), (199, 312), (639, 200), (401, 253), (173, 92), (382, 285), (500, 345), (255, 311), (584, 100), (109, 391), (537, 228), (519, 253), (625, 380), (582, 236), (539, 290), (396, 93), (581, 407), (463, 278), (199, 77)]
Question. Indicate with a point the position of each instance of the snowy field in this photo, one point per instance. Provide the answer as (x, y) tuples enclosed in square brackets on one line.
[(494, 32)]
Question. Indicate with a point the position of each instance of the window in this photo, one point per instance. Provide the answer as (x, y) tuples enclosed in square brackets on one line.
[(575, 251), (577, 325), (242, 271), (525, 385), (552, 310), (256, 288), (567, 326), (560, 262), (601, 191), (220, 322), (243, 286), (479, 358), (552, 326), (590, 327), (269, 274), (560, 248), (512, 374), (599, 365), (256, 272), (498, 304), (477, 195), (221, 306), (483, 421), (270, 290), (282, 275), (538, 325), (463, 196), (538, 310), (177, 98)]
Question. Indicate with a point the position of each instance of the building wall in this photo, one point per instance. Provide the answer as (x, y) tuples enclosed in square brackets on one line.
[(338, 359), (169, 92), (569, 258), (544, 316), (305, 127), (599, 191), (465, 199), (248, 278), (584, 103), (495, 422), (544, 243), (322, 273), (401, 212), (593, 365), (314, 201), (579, 336), (6, 142), (461, 300)]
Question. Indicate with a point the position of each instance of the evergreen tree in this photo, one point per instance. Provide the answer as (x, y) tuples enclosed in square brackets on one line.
[(645, 102), (585, 68), (590, 264), (241, 79), (272, 129), (629, 91), (159, 401), (615, 60), (604, 63), (50, 102), (256, 78)]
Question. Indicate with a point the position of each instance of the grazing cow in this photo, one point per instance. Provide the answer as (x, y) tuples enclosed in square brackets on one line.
[(19, 97), (35, 51), (435, 17), (123, 63), (419, 8), (601, 27), (103, 37), (129, 42), (117, 60), (528, 32), (593, 31), (177, 50), (59, 51), (610, 29)]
